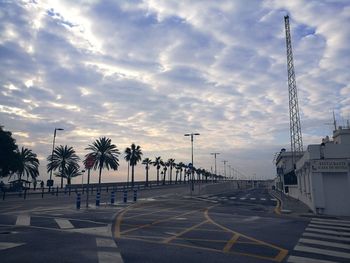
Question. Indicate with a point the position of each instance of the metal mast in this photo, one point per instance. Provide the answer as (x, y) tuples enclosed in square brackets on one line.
[(296, 140)]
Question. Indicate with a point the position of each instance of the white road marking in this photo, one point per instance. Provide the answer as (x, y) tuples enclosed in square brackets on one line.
[(233, 197), (64, 223), (329, 227), (263, 199), (327, 236), (107, 257), (325, 231), (324, 243), (322, 251), (105, 242), (330, 223), (252, 198), (252, 218), (273, 199), (23, 220), (7, 245), (242, 198), (331, 220), (96, 231), (295, 259)]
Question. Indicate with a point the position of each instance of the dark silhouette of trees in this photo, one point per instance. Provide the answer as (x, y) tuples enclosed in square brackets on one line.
[(133, 155)]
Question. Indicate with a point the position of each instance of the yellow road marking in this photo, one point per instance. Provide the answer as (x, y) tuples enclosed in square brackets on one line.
[(167, 240), (280, 256), (230, 243), (180, 227), (154, 212), (158, 221)]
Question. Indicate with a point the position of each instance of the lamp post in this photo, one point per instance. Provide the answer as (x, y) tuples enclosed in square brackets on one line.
[(224, 168), (53, 148), (192, 170), (215, 164)]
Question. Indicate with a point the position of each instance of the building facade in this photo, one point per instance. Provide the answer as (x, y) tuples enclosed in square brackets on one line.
[(323, 175)]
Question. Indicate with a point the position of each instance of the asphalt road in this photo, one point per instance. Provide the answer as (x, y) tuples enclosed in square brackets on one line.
[(237, 226), (167, 225)]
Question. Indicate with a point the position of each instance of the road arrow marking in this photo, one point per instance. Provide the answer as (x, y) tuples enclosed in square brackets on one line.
[(7, 245)]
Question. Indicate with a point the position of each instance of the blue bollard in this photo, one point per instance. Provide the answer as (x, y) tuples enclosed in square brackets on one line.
[(78, 201), (125, 196), (135, 195), (98, 196), (112, 197)]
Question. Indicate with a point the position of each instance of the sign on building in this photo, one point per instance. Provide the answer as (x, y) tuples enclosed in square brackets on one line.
[(329, 166)]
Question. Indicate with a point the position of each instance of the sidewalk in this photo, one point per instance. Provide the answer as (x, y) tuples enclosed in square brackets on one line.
[(289, 205)]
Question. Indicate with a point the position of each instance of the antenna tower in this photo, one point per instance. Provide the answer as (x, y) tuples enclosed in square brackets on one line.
[(296, 140)]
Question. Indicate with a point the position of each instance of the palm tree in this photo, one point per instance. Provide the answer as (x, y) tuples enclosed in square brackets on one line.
[(105, 155), (165, 167), (180, 167), (158, 163), (171, 164), (62, 158), (133, 156), (28, 164), (71, 171), (146, 162)]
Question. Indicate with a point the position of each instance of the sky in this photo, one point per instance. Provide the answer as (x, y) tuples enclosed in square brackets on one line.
[(147, 72)]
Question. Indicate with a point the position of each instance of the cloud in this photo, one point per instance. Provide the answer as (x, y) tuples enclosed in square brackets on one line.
[(150, 71)]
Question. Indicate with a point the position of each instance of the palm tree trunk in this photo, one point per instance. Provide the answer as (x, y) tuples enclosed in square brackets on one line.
[(132, 176), (146, 175), (177, 173), (99, 177), (157, 176), (170, 174)]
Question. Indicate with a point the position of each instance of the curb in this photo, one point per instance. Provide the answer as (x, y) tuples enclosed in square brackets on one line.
[(279, 205)]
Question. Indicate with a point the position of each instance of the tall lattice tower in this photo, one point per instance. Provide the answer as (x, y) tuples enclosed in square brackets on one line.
[(296, 140)]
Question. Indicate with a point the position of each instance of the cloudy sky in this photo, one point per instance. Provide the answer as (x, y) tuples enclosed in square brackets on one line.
[(149, 71)]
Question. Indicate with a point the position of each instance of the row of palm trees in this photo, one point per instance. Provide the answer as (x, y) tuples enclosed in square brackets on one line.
[(104, 154)]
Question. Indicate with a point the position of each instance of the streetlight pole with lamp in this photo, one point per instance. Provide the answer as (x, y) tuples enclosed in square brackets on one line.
[(224, 161), (192, 171), (50, 182), (215, 163)]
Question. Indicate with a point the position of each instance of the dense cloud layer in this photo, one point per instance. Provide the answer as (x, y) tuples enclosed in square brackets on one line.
[(150, 71)]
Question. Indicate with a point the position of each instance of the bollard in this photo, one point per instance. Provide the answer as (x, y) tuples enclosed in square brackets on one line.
[(42, 192), (125, 196), (112, 197), (3, 195), (78, 200), (57, 191), (98, 196), (25, 193), (135, 195)]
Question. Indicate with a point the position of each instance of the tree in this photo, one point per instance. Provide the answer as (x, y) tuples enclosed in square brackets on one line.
[(71, 171), (28, 164), (62, 158), (133, 155), (180, 166), (9, 155), (105, 155), (146, 162), (165, 168), (158, 162), (171, 164)]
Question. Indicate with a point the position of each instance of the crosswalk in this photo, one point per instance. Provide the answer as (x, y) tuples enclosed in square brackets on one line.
[(324, 241), (237, 198)]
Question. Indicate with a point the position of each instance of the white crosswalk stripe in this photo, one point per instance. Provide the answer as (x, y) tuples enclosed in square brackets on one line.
[(324, 241)]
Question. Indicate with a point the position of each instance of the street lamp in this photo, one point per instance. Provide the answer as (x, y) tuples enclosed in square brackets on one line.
[(53, 148), (224, 161), (192, 134), (215, 163)]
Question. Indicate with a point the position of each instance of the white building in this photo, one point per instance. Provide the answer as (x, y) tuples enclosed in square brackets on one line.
[(323, 175)]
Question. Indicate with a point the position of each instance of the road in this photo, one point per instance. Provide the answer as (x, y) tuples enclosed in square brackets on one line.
[(237, 226), (167, 225)]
